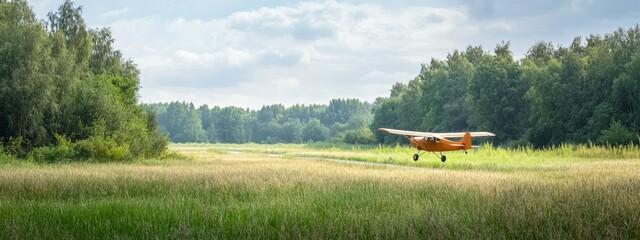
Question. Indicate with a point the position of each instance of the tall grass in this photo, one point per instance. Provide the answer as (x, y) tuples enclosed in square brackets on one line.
[(486, 157), (257, 191)]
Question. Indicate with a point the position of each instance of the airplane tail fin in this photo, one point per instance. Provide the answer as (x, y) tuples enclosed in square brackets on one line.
[(466, 141)]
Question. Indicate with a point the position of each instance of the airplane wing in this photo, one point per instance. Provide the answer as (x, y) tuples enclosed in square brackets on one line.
[(461, 134), (437, 135), (410, 133)]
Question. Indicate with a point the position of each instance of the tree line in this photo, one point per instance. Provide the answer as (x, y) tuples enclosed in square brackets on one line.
[(66, 93), (342, 120), (588, 92)]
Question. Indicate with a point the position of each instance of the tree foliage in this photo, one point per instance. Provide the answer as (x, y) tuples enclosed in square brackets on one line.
[(271, 124), (586, 92), (496, 96), (62, 86), (65, 92)]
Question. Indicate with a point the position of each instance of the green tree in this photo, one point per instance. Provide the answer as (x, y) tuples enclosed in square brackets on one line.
[(292, 131), (384, 116), (359, 136), (68, 20), (271, 113), (315, 131), (50, 96), (266, 132), (444, 89), (183, 123), (617, 134), (496, 95), (409, 110), (231, 125), (26, 69), (104, 59), (341, 110), (626, 89)]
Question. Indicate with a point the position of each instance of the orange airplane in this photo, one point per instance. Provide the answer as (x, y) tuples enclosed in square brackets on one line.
[(437, 142)]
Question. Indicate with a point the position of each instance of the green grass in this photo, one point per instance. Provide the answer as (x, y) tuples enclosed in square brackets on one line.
[(270, 191), (485, 158)]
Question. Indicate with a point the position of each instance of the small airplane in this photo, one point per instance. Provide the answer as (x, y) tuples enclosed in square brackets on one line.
[(437, 142)]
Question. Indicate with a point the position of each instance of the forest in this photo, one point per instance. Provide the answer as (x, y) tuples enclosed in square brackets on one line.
[(66, 93), (586, 93), (342, 120)]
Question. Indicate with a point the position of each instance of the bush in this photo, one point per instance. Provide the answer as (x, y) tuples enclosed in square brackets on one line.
[(17, 146), (102, 149), (359, 136), (63, 151), (50, 154), (157, 144), (3, 153), (617, 134), (97, 148)]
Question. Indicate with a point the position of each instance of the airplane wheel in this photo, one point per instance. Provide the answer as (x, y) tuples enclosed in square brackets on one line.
[(415, 157), (443, 158)]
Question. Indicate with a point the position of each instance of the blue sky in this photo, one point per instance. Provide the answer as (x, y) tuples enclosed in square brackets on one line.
[(254, 53)]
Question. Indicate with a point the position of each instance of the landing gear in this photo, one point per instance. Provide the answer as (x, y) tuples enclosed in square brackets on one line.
[(441, 156), (417, 155)]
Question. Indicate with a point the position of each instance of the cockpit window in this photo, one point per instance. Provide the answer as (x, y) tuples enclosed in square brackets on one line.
[(433, 139)]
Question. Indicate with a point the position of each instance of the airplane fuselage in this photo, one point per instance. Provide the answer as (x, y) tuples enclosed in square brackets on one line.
[(437, 145)]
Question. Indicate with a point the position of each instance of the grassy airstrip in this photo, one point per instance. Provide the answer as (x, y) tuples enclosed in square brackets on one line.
[(298, 191)]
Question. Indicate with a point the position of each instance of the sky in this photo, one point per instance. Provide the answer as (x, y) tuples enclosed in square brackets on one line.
[(254, 53)]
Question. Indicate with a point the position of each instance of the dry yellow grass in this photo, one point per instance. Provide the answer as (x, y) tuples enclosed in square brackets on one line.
[(226, 192)]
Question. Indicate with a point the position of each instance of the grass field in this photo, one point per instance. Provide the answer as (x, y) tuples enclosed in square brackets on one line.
[(288, 191)]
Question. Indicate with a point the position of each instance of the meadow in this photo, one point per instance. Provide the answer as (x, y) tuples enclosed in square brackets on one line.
[(322, 191)]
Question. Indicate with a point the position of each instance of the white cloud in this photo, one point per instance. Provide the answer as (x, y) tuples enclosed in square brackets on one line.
[(306, 53), (286, 83), (115, 13), (377, 75), (311, 52), (237, 57), (188, 56), (500, 25)]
